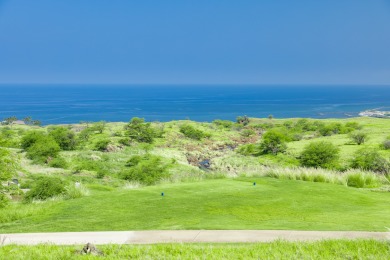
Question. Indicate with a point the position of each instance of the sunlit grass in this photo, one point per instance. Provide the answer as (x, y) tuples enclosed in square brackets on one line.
[(327, 249)]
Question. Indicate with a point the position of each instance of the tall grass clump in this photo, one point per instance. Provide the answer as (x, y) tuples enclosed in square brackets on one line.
[(363, 180), (351, 178), (75, 190)]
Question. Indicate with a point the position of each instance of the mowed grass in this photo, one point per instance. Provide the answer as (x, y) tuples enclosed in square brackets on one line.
[(329, 249), (215, 204)]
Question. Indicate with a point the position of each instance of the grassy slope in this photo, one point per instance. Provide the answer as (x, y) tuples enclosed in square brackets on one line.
[(332, 249), (217, 204), (377, 130)]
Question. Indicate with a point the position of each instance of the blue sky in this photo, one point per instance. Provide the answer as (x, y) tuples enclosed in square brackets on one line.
[(192, 42)]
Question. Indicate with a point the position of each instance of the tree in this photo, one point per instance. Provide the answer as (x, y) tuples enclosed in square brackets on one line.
[(370, 159), (10, 120), (99, 126), (243, 120), (140, 131), (319, 154), (358, 137), (27, 120), (273, 142)]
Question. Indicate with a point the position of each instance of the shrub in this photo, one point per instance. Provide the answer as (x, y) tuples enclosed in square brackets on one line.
[(193, 133), (249, 149), (30, 138), (247, 132), (223, 123), (147, 169), (330, 129), (140, 131), (358, 137), (369, 159), (44, 188), (65, 137), (273, 142), (319, 154), (305, 125), (99, 127), (85, 134), (58, 162), (43, 149), (101, 145), (7, 166), (4, 201)]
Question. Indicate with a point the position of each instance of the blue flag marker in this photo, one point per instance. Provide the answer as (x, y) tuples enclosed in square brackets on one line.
[(162, 194), (254, 184)]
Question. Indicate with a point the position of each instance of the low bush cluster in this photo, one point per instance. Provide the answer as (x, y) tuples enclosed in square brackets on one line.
[(191, 132), (39, 146), (371, 160), (44, 188), (146, 169), (223, 123)]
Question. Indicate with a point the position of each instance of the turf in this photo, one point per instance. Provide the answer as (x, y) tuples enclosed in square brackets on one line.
[(213, 204), (330, 249)]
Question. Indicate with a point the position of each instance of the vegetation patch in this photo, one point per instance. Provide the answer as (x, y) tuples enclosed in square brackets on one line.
[(327, 249)]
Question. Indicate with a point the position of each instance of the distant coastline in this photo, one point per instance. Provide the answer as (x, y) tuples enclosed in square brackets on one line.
[(375, 113)]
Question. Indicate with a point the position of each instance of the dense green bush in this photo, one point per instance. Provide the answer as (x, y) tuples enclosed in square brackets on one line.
[(58, 162), (358, 137), (43, 149), (65, 137), (337, 128), (249, 149), (193, 133), (273, 142), (31, 138), (306, 125), (319, 154), (369, 159), (44, 188), (147, 169), (101, 145), (140, 131), (8, 138)]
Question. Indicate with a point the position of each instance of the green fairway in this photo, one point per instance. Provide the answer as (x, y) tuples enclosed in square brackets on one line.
[(213, 204), (331, 249)]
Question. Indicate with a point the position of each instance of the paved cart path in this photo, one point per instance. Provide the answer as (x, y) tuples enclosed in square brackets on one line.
[(183, 236)]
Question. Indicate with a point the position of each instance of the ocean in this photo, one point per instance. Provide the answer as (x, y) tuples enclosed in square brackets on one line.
[(66, 104)]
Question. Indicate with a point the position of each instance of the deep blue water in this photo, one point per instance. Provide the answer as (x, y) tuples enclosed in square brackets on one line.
[(72, 104)]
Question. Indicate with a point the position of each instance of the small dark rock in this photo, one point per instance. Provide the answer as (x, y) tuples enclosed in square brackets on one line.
[(90, 249)]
